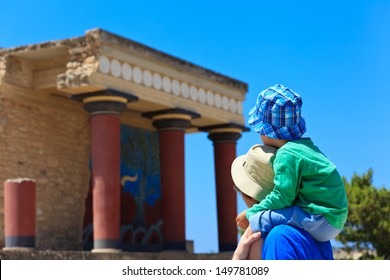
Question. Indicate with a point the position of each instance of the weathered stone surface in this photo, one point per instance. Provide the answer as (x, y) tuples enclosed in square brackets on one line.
[(44, 143), (86, 255)]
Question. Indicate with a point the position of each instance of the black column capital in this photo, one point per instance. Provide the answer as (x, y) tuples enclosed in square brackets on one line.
[(225, 133), (171, 122), (171, 119), (105, 105), (108, 101), (224, 136)]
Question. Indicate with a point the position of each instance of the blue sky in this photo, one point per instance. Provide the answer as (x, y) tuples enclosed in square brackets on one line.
[(335, 54)]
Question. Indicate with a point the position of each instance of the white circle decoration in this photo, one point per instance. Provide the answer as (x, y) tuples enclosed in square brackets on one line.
[(218, 100), (233, 105), (176, 87), (194, 93), (202, 96), (166, 84), (126, 72), (116, 68), (104, 64), (147, 78), (157, 81), (137, 75), (185, 91), (239, 107), (225, 103), (210, 98)]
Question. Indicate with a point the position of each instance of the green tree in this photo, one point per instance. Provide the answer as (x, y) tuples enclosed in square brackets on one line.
[(368, 224)]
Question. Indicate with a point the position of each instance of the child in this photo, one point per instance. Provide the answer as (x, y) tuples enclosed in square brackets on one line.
[(308, 191)]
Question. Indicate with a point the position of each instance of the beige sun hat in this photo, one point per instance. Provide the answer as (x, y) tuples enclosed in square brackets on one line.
[(252, 173)]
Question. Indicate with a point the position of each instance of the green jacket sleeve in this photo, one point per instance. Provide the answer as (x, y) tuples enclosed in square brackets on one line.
[(287, 172)]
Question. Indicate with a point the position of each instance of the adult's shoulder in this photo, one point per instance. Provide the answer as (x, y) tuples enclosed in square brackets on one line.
[(285, 242)]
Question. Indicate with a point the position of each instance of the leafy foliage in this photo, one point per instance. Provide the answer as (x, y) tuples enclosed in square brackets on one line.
[(368, 225)]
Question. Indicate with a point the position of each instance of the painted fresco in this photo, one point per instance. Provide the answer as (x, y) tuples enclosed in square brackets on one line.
[(141, 218)]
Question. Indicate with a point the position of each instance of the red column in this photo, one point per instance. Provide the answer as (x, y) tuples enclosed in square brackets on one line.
[(224, 141), (171, 138), (19, 213), (105, 155)]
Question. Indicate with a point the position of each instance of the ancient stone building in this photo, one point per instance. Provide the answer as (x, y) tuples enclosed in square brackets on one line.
[(98, 122)]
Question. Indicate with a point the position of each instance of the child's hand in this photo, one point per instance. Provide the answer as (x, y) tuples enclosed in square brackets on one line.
[(242, 221)]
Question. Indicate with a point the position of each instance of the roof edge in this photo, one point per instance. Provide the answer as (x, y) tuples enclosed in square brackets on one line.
[(114, 39)]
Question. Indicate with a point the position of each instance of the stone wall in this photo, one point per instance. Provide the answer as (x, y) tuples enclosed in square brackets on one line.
[(46, 138)]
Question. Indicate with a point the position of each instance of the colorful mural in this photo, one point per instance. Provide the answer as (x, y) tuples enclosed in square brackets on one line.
[(141, 218)]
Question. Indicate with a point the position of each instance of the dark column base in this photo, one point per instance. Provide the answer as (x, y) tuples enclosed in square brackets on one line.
[(20, 241), (227, 247), (107, 244), (175, 245)]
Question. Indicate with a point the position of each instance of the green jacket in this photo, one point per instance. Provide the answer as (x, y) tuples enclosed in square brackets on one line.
[(304, 176)]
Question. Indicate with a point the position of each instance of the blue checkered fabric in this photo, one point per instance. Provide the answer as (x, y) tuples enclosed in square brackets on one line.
[(277, 114)]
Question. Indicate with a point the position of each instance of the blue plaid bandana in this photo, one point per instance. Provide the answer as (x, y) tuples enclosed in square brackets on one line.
[(277, 114)]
